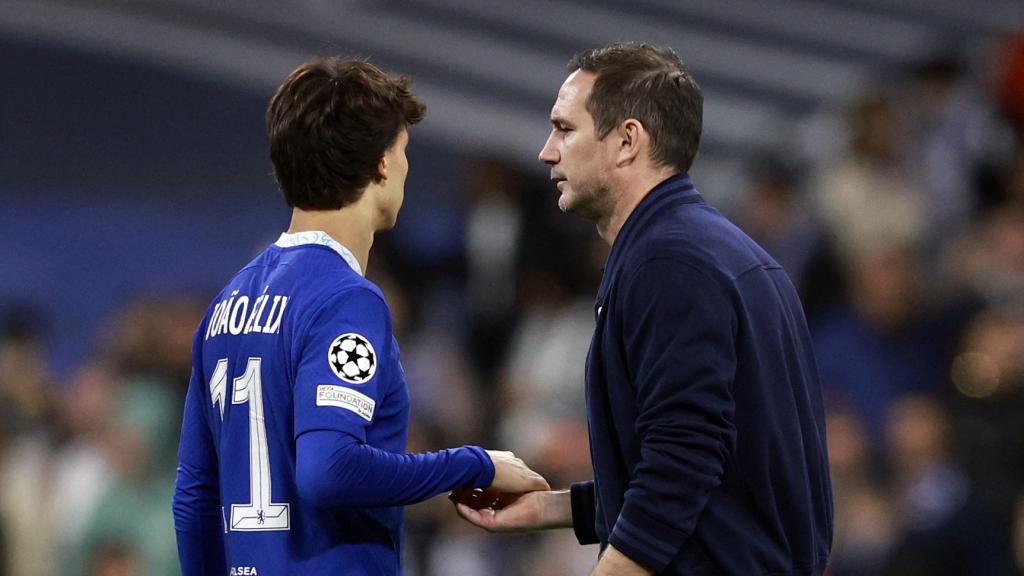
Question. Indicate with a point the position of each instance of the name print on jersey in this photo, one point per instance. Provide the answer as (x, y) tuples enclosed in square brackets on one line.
[(235, 316)]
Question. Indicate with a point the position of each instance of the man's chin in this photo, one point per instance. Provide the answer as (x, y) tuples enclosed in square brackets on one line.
[(565, 204)]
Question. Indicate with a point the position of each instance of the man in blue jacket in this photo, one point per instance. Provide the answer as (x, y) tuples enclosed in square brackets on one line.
[(706, 422)]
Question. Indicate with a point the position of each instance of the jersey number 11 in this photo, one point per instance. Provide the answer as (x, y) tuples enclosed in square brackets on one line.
[(260, 513)]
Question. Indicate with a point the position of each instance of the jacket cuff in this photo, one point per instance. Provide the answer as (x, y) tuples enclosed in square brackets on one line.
[(645, 539), (584, 514)]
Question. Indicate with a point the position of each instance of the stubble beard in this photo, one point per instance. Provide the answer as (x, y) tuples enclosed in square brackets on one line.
[(589, 201)]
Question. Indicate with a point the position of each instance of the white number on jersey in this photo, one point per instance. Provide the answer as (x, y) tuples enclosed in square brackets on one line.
[(260, 513)]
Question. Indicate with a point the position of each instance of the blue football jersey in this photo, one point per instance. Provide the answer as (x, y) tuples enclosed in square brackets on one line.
[(292, 456)]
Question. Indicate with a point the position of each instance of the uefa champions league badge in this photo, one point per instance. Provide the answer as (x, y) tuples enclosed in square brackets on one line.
[(351, 358)]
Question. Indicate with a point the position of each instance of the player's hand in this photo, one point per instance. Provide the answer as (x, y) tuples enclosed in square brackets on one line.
[(527, 512), (513, 476), (478, 499)]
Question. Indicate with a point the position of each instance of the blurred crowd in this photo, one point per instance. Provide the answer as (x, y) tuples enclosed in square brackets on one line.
[(907, 246)]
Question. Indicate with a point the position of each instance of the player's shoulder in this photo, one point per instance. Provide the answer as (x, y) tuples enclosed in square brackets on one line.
[(349, 297), (350, 289)]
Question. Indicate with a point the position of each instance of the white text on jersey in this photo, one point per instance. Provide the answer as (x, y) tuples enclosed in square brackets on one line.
[(235, 316)]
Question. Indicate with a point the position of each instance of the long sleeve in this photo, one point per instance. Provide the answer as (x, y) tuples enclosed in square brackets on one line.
[(679, 333), (333, 469), (197, 513), (336, 463)]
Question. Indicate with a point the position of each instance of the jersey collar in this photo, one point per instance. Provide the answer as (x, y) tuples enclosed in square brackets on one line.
[(323, 239)]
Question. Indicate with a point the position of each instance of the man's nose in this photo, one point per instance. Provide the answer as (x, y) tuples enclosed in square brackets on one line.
[(549, 153)]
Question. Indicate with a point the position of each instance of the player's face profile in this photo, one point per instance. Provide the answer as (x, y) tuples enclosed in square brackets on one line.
[(393, 193)]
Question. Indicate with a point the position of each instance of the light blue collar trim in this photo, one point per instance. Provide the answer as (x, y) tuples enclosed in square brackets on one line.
[(322, 238)]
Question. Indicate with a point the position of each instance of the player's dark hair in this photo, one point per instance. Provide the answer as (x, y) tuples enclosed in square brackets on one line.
[(652, 86), (329, 125)]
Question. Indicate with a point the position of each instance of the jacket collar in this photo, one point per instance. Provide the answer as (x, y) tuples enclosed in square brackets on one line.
[(676, 189)]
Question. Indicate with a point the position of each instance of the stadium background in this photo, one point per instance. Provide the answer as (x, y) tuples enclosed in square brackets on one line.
[(874, 147)]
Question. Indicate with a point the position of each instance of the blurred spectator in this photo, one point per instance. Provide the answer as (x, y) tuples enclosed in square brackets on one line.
[(864, 519), (82, 473), (988, 259), (943, 529), (25, 379), (144, 417), (951, 130), (988, 376), (867, 198), (27, 407), (777, 218), (886, 342), (494, 228), (114, 560), (444, 393), (542, 392), (24, 493), (90, 463), (152, 336)]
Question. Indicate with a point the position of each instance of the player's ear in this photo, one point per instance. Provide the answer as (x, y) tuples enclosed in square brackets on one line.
[(382, 170), (631, 136)]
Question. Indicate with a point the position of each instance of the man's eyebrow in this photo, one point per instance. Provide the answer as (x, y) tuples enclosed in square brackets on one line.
[(555, 119)]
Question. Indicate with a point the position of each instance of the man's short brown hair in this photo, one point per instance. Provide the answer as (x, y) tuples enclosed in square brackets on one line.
[(651, 85), (329, 125)]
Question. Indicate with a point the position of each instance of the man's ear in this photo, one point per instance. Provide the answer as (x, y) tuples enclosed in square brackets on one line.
[(382, 170), (632, 137)]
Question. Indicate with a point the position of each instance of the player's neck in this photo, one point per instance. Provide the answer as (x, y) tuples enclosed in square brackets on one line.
[(348, 226)]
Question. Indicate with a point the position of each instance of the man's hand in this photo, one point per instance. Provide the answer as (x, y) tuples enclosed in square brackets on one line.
[(513, 476), (615, 563), (533, 511)]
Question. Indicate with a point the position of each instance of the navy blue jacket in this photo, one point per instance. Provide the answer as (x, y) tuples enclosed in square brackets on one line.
[(707, 429)]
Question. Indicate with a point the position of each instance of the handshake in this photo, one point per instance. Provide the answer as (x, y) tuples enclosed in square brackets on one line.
[(518, 500)]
